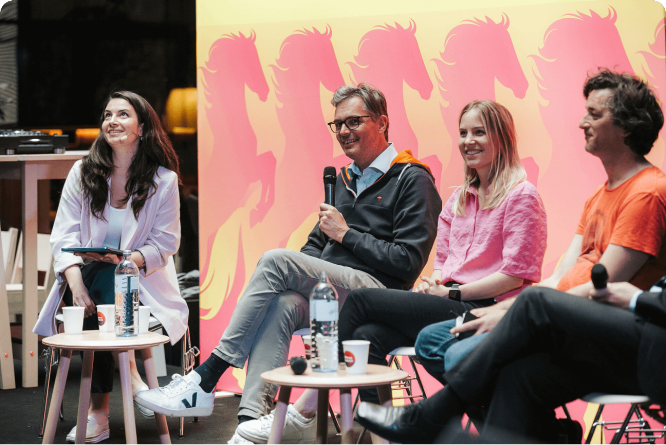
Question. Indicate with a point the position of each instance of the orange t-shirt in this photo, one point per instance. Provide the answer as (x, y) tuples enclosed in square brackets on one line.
[(632, 215)]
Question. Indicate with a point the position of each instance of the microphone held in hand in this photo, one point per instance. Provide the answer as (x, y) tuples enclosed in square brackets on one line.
[(329, 185), (298, 365), (599, 277)]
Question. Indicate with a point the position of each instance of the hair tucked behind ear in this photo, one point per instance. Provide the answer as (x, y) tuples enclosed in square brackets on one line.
[(155, 150), (506, 171)]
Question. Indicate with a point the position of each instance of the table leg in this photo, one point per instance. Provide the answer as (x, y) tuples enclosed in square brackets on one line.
[(322, 416), (280, 415), (84, 396), (128, 401), (151, 376), (346, 421), (56, 398), (7, 380), (30, 357)]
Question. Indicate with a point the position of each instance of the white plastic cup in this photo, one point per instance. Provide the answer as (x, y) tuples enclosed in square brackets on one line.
[(356, 355), (106, 317), (73, 316), (307, 345), (144, 319)]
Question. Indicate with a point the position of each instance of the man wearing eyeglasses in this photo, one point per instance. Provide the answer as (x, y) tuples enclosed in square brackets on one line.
[(379, 234)]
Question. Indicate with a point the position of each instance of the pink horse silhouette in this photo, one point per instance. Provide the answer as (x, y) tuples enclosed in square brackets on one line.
[(233, 62), (476, 53), (387, 57), (655, 60), (307, 60), (573, 47)]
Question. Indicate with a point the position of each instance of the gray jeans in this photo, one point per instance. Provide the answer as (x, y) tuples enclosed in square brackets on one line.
[(274, 306)]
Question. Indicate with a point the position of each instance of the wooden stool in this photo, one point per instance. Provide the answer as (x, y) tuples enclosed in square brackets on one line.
[(89, 342), (376, 375)]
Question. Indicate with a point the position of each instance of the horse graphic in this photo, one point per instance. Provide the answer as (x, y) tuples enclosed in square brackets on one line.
[(306, 61), (389, 56), (655, 73), (232, 64), (476, 53), (574, 47)]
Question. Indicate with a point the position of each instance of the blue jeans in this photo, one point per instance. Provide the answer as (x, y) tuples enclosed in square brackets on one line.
[(439, 350)]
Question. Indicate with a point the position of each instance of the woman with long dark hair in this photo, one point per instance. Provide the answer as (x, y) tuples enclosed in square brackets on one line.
[(124, 195)]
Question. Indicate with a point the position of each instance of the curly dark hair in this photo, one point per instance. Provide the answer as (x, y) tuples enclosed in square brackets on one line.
[(633, 106), (155, 150)]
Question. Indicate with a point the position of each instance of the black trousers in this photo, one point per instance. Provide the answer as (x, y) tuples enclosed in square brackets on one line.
[(391, 319), (549, 349), (98, 279)]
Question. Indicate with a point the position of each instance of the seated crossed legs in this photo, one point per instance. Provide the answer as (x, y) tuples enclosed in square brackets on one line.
[(273, 306), (549, 349)]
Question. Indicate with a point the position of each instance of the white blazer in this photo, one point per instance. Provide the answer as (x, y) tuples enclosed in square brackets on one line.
[(156, 234)]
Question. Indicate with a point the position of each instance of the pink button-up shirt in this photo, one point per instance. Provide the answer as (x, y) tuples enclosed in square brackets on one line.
[(510, 239)]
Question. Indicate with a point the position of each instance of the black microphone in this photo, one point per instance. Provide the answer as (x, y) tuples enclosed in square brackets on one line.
[(298, 365), (329, 185), (599, 277)]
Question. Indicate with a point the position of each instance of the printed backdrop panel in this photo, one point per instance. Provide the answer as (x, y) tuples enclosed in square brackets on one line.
[(267, 71)]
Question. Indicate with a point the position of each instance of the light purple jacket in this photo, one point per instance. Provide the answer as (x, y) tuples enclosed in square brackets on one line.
[(156, 234)]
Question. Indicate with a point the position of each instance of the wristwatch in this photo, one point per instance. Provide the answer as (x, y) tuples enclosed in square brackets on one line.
[(454, 293)]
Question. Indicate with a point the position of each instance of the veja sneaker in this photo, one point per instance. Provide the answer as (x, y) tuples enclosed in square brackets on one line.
[(236, 439), (147, 413), (94, 433), (182, 397), (297, 429)]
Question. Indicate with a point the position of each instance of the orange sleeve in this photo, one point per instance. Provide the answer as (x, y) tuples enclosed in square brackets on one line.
[(641, 224)]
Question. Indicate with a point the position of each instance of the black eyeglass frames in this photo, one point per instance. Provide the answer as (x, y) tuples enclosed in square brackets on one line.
[(352, 123)]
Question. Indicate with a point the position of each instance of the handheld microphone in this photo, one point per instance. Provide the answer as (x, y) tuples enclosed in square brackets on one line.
[(329, 185), (599, 278), (298, 365)]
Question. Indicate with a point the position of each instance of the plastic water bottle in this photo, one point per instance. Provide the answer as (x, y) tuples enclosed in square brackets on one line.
[(324, 326), (126, 284)]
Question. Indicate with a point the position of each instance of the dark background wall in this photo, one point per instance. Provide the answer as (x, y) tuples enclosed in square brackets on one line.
[(72, 53)]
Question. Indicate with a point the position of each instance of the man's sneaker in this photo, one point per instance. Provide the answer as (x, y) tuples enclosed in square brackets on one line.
[(297, 429), (236, 439), (182, 397), (147, 413), (94, 433)]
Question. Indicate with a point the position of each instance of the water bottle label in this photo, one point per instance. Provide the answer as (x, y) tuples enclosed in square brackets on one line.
[(121, 284), (134, 284), (324, 310)]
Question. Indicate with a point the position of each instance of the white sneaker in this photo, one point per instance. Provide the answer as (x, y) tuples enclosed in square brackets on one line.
[(182, 397), (297, 429), (236, 439), (94, 433), (147, 413)]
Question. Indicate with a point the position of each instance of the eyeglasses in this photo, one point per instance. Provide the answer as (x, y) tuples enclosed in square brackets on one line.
[(352, 123)]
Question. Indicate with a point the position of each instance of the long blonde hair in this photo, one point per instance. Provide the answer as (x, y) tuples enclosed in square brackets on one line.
[(506, 170)]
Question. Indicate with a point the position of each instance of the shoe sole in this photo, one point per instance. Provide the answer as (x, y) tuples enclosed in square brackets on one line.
[(96, 439), (183, 412), (143, 410)]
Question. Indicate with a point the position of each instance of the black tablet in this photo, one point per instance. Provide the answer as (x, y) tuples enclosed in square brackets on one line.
[(100, 250)]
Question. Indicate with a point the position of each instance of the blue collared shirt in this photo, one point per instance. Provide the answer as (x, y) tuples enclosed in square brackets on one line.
[(375, 170)]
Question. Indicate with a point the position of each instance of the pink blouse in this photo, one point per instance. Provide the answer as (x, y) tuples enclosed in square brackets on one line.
[(510, 239)]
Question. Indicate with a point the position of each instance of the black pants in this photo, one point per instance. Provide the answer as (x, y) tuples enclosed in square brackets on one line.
[(98, 279), (549, 349), (391, 319)]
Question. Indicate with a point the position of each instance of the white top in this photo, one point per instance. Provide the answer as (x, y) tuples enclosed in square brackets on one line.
[(115, 228)]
